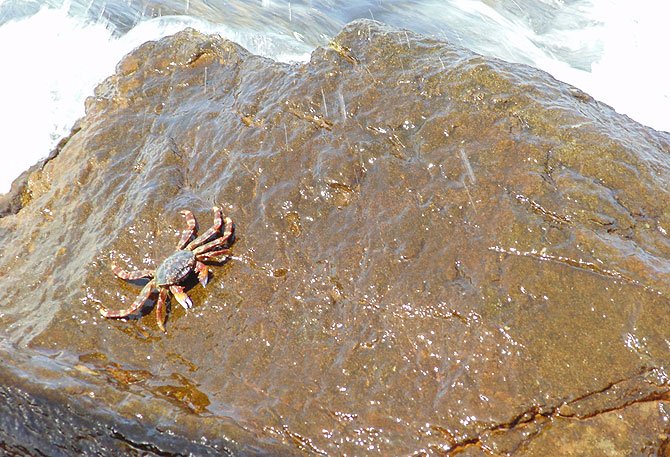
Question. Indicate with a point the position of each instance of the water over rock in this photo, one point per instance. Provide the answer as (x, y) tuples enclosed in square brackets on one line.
[(436, 253)]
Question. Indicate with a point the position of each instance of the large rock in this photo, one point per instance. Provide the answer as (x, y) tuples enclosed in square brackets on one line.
[(436, 252)]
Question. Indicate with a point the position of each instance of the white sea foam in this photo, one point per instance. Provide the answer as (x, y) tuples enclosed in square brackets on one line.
[(611, 49), (50, 62), (633, 73), (52, 59)]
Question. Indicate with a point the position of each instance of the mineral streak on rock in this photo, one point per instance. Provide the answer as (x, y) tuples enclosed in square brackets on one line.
[(437, 252)]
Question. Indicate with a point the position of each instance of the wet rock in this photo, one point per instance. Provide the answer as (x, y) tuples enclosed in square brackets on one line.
[(436, 252), (21, 189)]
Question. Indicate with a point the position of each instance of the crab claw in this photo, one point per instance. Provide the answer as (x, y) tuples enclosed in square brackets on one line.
[(203, 273), (181, 296)]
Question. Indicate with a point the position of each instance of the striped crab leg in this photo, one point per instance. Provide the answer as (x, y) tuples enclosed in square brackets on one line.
[(213, 230), (227, 233), (137, 304), (191, 226), (131, 275), (217, 256)]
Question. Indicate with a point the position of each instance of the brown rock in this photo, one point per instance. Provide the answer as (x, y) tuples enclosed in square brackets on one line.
[(436, 252)]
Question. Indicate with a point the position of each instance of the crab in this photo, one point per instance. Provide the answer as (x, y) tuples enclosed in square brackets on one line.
[(190, 257)]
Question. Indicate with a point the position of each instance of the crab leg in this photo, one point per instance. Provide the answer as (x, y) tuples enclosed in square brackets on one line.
[(218, 220), (180, 295), (137, 304), (218, 256), (227, 233), (131, 275), (190, 229), (160, 308), (203, 273)]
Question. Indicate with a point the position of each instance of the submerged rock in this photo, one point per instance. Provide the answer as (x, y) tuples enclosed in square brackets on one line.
[(436, 252)]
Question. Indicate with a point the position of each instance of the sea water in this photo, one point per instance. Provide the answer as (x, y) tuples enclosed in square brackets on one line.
[(54, 52)]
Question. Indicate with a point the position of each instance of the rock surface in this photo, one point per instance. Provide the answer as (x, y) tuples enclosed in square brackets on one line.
[(436, 253)]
